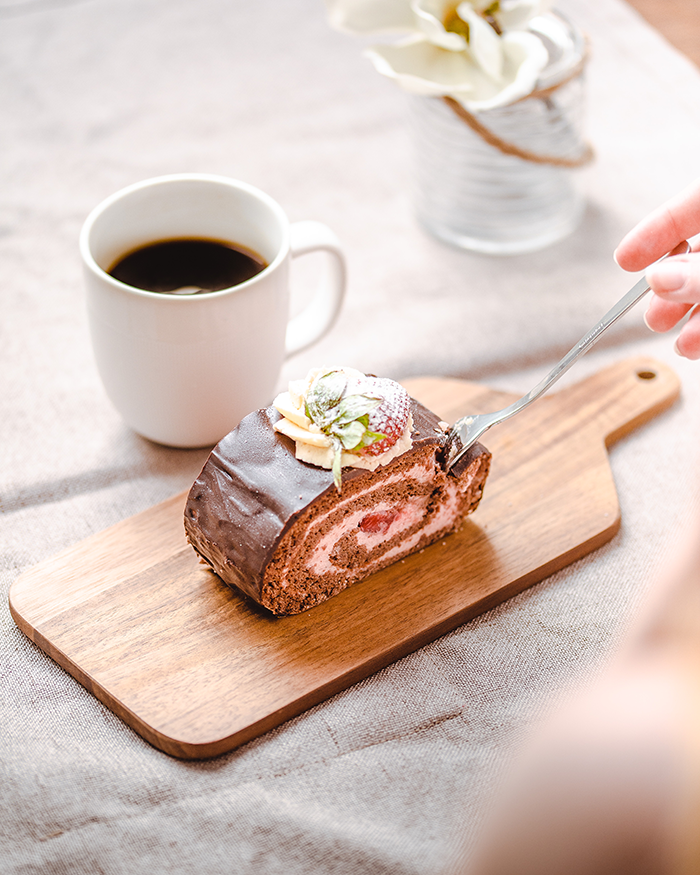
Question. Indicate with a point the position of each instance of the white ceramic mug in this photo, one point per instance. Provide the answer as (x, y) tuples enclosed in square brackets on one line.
[(183, 370)]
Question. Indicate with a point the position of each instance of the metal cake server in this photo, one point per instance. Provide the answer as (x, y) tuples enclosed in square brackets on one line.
[(467, 430)]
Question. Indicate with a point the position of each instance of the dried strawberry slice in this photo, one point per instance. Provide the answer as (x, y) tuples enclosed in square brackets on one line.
[(390, 417)]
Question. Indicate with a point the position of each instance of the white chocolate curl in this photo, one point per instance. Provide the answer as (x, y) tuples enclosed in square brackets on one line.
[(311, 444)]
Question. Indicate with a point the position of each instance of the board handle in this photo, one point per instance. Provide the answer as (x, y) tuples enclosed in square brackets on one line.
[(619, 398)]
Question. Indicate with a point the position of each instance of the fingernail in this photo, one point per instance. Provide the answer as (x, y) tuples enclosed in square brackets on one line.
[(668, 276), (676, 350), (646, 322)]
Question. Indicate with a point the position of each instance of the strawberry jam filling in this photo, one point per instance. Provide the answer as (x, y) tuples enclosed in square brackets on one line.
[(379, 523)]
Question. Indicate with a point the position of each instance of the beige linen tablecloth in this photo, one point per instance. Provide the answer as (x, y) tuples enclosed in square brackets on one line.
[(100, 94)]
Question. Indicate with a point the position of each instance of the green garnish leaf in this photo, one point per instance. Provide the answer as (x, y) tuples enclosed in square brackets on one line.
[(350, 435), (371, 437), (324, 394), (337, 464), (344, 418), (355, 407)]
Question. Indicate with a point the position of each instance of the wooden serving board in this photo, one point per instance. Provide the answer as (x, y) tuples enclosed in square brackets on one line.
[(197, 669)]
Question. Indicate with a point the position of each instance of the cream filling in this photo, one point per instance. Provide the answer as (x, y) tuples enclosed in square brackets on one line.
[(409, 513), (318, 560), (444, 518)]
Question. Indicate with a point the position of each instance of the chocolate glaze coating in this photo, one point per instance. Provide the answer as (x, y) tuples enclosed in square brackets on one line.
[(253, 488)]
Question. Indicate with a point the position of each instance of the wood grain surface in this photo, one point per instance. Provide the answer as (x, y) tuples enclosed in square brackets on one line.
[(197, 669)]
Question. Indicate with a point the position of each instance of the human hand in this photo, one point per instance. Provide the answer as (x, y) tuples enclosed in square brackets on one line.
[(675, 281)]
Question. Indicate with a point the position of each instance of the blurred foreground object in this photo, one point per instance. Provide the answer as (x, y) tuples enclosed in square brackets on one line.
[(611, 784)]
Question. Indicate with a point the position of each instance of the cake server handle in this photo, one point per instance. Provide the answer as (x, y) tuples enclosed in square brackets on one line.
[(467, 430)]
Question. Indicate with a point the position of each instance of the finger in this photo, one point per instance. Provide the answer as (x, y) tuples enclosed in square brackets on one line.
[(662, 315), (688, 343), (661, 230), (677, 279)]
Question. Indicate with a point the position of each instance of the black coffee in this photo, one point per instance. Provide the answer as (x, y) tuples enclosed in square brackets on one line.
[(187, 266)]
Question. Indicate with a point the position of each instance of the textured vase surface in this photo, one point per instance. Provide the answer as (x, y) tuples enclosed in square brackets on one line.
[(470, 194)]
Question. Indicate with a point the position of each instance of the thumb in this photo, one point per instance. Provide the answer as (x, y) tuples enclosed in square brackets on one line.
[(676, 279)]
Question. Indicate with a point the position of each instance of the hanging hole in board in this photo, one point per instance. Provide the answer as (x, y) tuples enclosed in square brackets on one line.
[(647, 375)]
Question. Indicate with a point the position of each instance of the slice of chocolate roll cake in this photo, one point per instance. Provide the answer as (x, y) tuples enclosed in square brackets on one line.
[(344, 475)]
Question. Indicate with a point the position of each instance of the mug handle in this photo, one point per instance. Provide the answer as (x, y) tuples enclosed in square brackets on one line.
[(321, 312)]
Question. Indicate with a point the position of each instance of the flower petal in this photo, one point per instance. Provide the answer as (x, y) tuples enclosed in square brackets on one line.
[(484, 43), (371, 16), (525, 56), (517, 13), (420, 67), (429, 18)]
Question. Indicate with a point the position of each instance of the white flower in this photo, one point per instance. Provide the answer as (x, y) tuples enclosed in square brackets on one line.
[(476, 51)]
